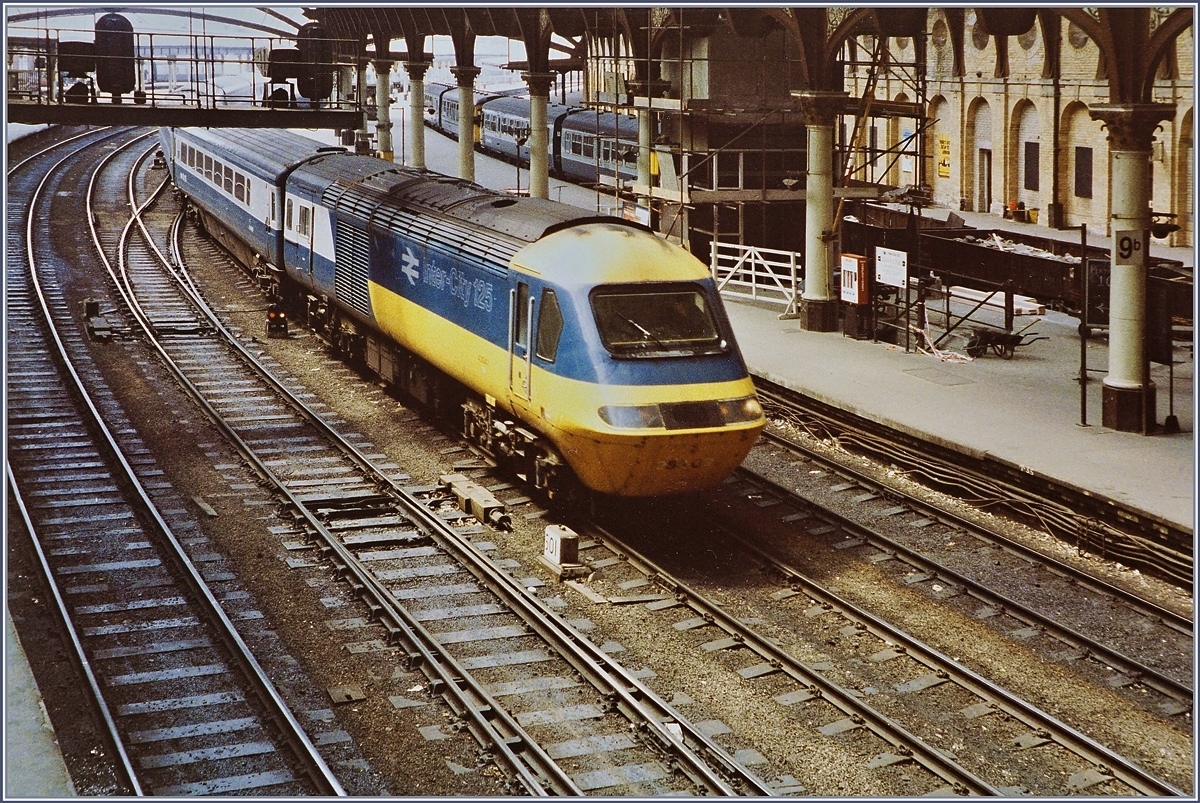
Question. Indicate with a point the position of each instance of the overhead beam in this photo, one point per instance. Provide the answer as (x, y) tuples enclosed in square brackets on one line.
[(131, 114)]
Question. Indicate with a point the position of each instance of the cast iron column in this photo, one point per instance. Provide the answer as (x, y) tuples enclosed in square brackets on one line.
[(819, 302), (416, 110), (383, 109), (1128, 398), (539, 137), (466, 120)]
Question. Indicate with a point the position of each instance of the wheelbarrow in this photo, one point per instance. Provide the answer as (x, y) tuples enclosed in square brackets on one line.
[(1003, 343)]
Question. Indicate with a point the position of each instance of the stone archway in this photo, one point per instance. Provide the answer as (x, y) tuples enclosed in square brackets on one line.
[(1084, 166), (977, 164), (1025, 156), (1185, 183)]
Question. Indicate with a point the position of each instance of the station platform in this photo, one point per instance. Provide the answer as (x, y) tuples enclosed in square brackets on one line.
[(33, 764), (1025, 411)]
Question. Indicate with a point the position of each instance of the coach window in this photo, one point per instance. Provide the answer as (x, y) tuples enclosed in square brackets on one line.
[(302, 226), (239, 187), (229, 180), (550, 326), (287, 215), (208, 162)]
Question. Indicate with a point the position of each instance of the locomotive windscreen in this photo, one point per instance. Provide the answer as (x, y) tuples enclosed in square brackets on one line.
[(656, 321)]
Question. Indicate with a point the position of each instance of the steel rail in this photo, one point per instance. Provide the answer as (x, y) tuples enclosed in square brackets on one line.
[(1156, 680), (96, 694), (1171, 619), (1150, 550), (451, 683), (629, 692), (318, 771), (887, 729), (1033, 717)]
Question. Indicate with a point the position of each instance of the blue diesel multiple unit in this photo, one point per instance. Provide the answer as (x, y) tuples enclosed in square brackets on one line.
[(560, 340), (583, 145)]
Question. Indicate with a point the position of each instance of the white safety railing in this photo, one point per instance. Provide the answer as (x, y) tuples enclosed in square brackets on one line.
[(758, 274)]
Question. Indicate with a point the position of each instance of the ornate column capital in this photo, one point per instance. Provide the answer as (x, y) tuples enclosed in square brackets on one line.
[(1131, 126), (466, 75), (820, 107), (416, 69), (539, 82)]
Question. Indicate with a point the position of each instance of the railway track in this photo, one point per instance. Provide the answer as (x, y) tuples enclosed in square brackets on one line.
[(188, 709), (555, 711), (926, 559), (1098, 525), (1093, 767), (895, 668), (511, 658)]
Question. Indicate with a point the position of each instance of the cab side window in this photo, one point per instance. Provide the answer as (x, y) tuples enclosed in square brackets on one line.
[(550, 326), (522, 332)]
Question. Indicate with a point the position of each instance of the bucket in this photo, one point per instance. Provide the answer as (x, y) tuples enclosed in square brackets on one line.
[(1033, 216)]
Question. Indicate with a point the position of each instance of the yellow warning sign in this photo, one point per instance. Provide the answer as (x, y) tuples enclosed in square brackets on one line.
[(943, 161)]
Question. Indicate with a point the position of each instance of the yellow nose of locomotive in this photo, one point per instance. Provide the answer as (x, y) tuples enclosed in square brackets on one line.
[(665, 448)]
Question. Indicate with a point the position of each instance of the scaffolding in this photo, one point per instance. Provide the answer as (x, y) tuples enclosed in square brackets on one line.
[(731, 151)]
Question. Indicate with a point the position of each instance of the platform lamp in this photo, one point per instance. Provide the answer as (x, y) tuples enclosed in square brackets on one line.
[(1084, 330), (1162, 228)]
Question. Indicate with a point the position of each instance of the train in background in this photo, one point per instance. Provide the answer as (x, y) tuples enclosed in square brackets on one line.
[(584, 145), (575, 348)]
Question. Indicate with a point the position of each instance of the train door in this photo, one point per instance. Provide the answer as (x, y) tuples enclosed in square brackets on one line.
[(520, 351), (299, 221)]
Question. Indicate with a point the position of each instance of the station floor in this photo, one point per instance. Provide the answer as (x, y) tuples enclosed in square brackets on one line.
[(33, 764)]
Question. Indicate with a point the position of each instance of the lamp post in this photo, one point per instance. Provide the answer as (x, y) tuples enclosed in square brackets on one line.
[(520, 144)]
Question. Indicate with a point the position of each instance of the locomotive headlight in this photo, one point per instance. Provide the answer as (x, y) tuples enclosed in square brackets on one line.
[(739, 411), (683, 415), (643, 416)]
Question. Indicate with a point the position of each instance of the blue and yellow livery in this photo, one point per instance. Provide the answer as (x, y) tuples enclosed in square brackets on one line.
[(560, 340)]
